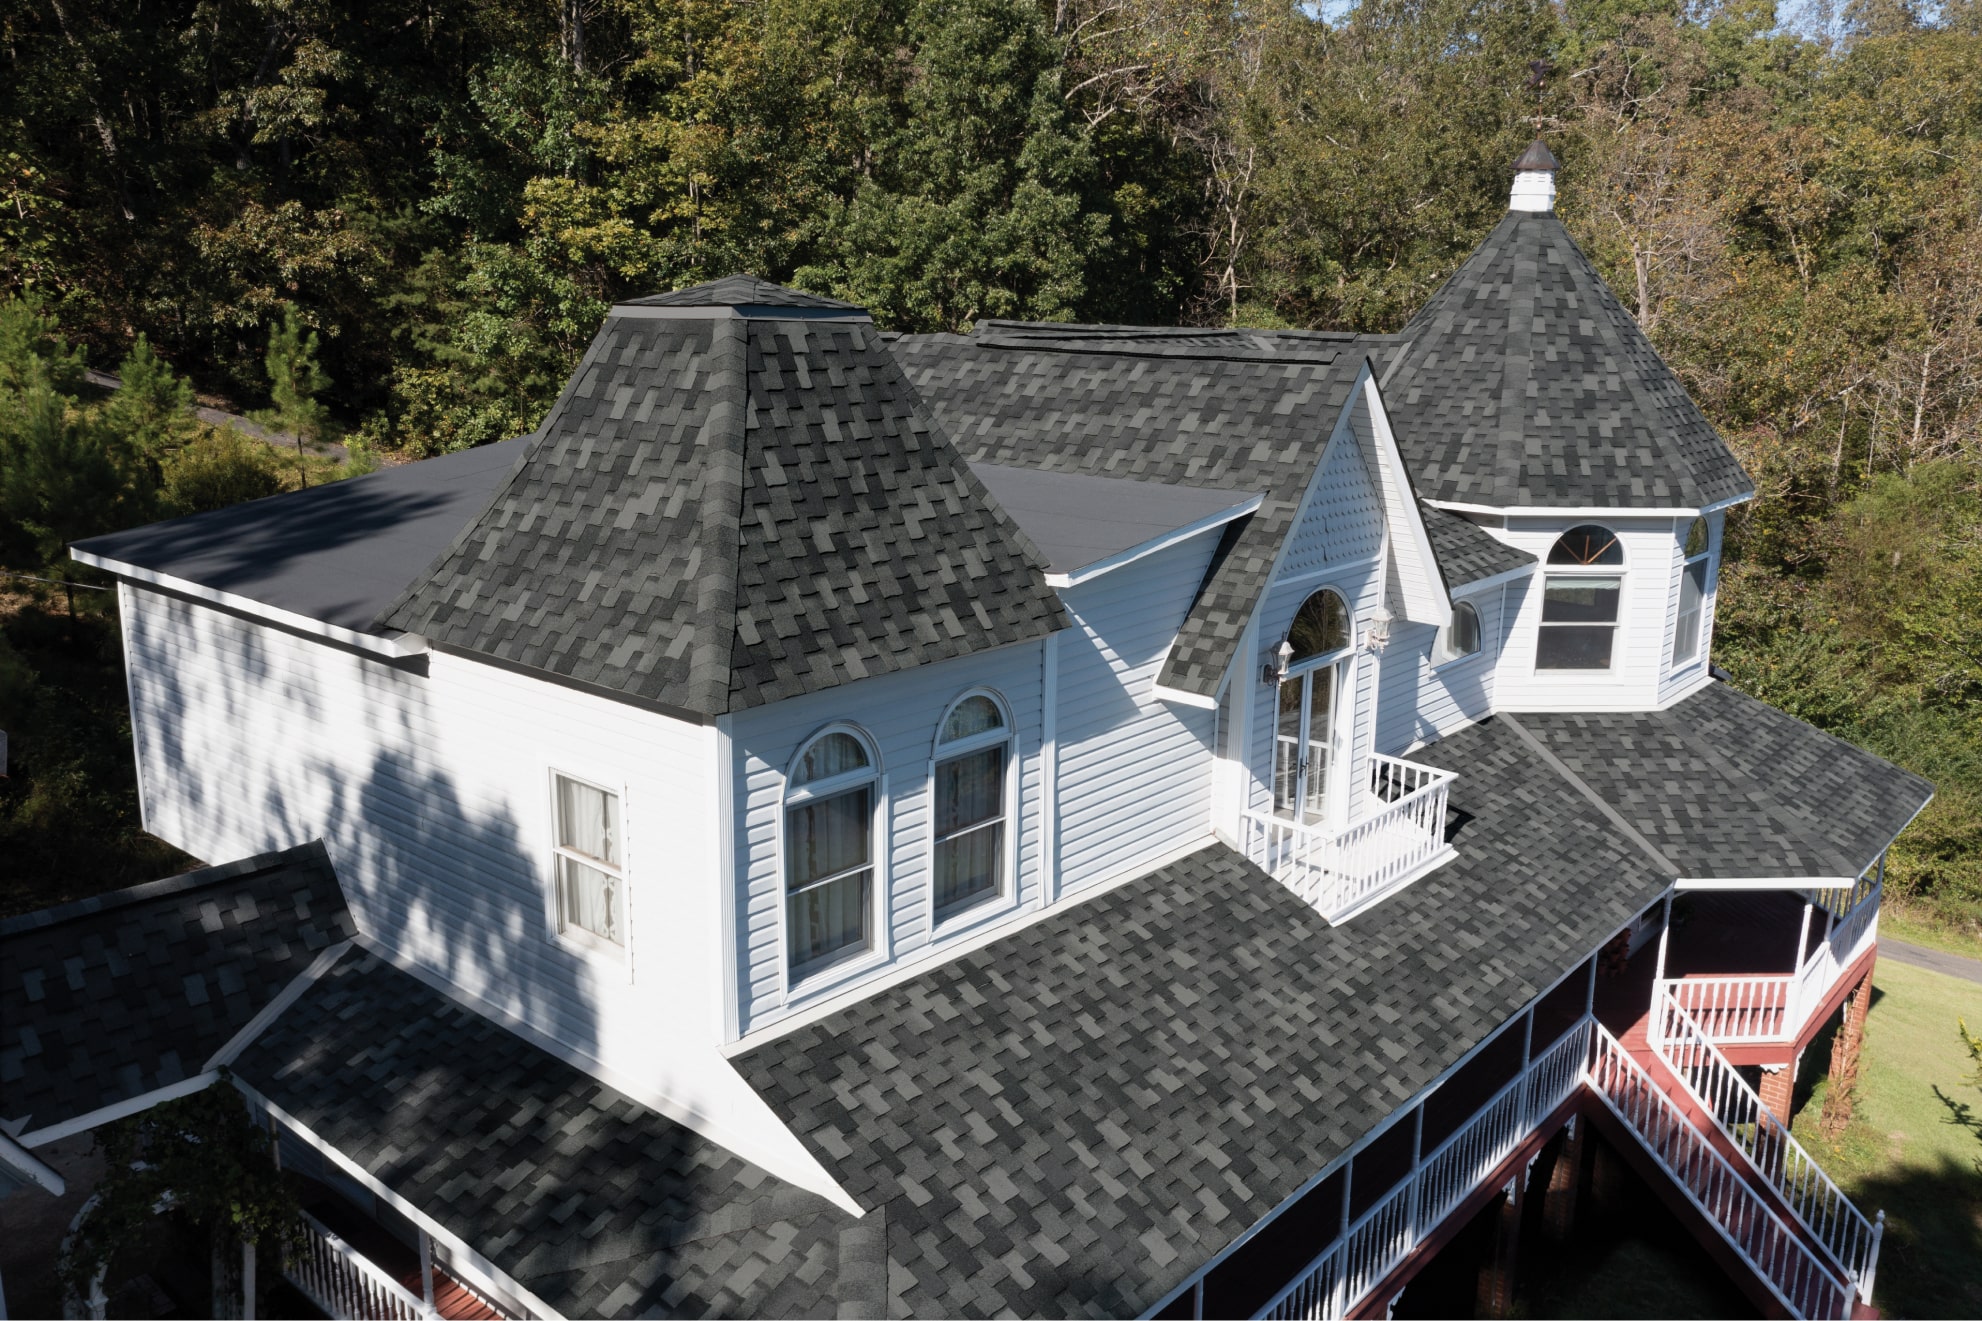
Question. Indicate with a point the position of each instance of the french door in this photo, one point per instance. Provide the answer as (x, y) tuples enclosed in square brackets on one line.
[(1304, 742)]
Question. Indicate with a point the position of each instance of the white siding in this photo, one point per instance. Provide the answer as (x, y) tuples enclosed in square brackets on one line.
[(1419, 703), (1135, 770), (433, 797), (899, 713), (1343, 521)]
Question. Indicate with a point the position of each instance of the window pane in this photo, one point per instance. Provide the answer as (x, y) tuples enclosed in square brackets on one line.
[(1692, 590), (969, 789), (1580, 600), (1588, 544), (969, 867), (832, 755), (1287, 748), (1463, 638), (828, 836), (1696, 538), (974, 715), (588, 820), (589, 898), (830, 921), (1321, 626), (1574, 647)]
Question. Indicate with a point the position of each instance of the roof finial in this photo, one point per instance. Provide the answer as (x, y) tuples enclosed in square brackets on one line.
[(1534, 180)]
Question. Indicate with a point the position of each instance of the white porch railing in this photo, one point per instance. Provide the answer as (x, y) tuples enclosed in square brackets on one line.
[(1774, 1153), (1348, 1269), (1746, 1009), (345, 1283), (1804, 1283), (1340, 873)]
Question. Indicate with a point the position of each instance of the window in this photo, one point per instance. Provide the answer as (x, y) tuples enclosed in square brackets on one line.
[(1462, 636), (590, 883), (829, 853), (1692, 594), (1580, 600), (972, 753), (1320, 627), (1307, 722)]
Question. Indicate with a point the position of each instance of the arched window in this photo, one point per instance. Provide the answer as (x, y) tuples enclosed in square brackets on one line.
[(1692, 593), (1320, 627), (1580, 597), (829, 852), (1462, 636), (973, 751)]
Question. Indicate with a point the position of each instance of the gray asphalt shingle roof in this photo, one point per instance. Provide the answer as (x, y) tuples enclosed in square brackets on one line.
[(1524, 381), (1728, 787), (1467, 553), (114, 996), (724, 511), (1077, 520), (583, 1196)]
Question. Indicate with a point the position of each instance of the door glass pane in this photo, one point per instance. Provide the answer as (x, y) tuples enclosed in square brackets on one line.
[(1287, 748), (1321, 739), (829, 921)]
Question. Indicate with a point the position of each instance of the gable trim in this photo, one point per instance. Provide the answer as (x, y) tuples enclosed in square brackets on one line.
[(1408, 538)]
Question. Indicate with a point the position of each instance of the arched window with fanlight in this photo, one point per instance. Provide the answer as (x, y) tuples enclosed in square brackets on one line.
[(1581, 590), (1692, 593), (1312, 673), (831, 806), (970, 834), (1460, 638)]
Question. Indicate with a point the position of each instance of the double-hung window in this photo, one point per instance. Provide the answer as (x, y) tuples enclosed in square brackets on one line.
[(1692, 594), (591, 881), (829, 853), (1580, 594), (973, 751)]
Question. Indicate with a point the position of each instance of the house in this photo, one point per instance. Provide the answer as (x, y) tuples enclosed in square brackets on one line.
[(1064, 820)]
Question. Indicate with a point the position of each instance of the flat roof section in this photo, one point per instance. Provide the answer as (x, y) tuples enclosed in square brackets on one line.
[(338, 553), (1086, 525)]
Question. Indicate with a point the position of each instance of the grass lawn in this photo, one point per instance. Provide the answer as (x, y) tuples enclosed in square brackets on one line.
[(1904, 1151)]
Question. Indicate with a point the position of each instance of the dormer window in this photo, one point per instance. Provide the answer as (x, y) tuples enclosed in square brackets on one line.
[(1306, 735), (1461, 637), (1580, 596), (972, 855), (1692, 593), (830, 812)]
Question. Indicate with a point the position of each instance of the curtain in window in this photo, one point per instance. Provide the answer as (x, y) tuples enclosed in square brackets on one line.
[(591, 899), (970, 828), (588, 821), (829, 876)]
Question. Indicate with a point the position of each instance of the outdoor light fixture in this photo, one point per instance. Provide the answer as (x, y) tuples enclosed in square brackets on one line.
[(1276, 669), (1376, 633)]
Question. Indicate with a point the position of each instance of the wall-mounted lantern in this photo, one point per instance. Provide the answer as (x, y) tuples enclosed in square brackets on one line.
[(1376, 631), (1276, 669)]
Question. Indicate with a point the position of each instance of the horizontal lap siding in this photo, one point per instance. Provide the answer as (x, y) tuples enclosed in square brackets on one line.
[(1674, 683), (1420, 703), (432, 795), (1135, 770), (899, 713)]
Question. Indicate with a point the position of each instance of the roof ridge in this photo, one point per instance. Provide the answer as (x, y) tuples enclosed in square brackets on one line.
[(184, 883), (712, 664)]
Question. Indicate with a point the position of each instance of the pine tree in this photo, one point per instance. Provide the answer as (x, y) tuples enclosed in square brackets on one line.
[(295, 379)]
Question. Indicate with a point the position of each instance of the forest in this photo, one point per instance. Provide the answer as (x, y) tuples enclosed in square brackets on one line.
[(395, 225)]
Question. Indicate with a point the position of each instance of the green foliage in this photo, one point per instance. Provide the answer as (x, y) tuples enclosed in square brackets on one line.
[(64, 474), (153, 410), (220, 467), (295, 378), (201, 1158)]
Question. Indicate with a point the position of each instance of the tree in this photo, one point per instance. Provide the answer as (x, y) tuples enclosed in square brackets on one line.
[(294, 382), (63, 476), (152, 411)]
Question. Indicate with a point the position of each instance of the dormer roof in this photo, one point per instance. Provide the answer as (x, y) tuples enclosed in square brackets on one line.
[(731, 504), (1524, 382)]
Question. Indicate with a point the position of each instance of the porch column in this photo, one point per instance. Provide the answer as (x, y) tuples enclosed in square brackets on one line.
[(1565, 1182), (1839, 1100), (1496, 1290), (1778, 1089)]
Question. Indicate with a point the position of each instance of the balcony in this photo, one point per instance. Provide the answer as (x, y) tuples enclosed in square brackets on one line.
[(1399, 836), (364, 1274)]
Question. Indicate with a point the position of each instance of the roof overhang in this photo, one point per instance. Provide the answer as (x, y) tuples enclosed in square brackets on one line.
[(1480, 586), (1590, 511)]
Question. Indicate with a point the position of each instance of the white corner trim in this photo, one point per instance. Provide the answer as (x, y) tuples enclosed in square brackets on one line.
[(274, 1009), (1183, 698), (1089, 572), (434, 1228), (820, 1179), (16, 1157), (199, 1082), (397, 646)]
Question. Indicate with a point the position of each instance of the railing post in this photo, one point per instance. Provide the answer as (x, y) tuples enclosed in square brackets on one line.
[(1878, 1237), (427, 1269)]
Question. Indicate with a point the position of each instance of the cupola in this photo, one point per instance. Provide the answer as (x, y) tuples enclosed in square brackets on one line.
[(1534, 179)]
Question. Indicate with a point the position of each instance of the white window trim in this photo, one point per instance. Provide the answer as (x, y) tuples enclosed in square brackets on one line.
[(1441, 659), (1546, 571), (1675, 666), (795, 987), (1007, 899), (577, 939)]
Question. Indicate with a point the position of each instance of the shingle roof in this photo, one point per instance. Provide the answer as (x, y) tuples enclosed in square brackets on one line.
[(1465, 552), (1077, 520), (1729, 787), (742, 291), (721, 512), (583, 1196), (114, 996), (1072, 1119), (1245, 423), (1525, 382)]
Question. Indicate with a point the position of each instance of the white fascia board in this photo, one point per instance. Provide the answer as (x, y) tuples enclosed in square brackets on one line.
[(274, 1009), (1183, 698), (1408, 539), (123, 1109), (1089, 572), (1765, 882), (1481, 585), (1589, 511), (32, 1168), (397, 646)]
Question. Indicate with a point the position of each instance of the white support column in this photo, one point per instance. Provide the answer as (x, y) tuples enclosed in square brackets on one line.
[(427, 1269)]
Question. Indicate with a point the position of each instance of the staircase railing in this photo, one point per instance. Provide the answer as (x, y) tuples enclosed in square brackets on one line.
[(344, 1282), (1770, 1147), (1805, 1284)]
